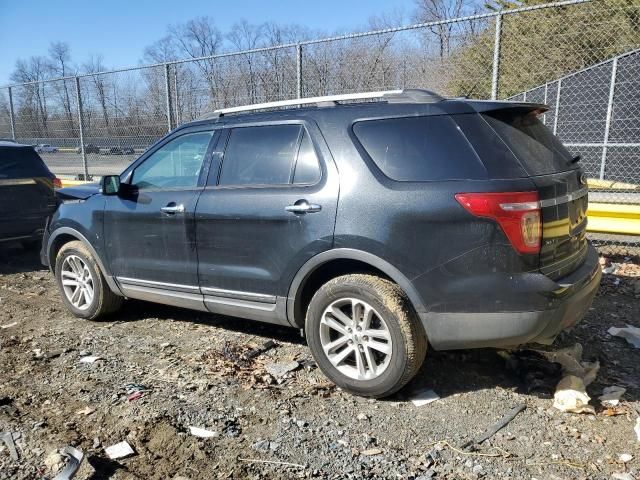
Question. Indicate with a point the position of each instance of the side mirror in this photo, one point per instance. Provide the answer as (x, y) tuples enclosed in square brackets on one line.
[(110, 184)]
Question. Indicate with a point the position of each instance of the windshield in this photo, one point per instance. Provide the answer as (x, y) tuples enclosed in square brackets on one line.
[(540, 152)]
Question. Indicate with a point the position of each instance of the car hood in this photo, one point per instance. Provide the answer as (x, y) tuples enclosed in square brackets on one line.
[(79, 192)]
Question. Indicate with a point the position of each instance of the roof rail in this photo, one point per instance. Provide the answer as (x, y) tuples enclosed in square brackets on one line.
[(392, 96)]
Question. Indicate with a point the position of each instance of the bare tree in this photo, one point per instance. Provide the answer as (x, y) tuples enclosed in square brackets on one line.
[(92, 65), (439, 10), (60, 57), (34, 106)]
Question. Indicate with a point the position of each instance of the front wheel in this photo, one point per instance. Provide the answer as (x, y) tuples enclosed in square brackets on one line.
[(83, 287), (365, 335)]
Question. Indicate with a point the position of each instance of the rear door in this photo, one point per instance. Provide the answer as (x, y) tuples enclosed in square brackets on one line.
[(26, 192), (269, 208), (561, 185)]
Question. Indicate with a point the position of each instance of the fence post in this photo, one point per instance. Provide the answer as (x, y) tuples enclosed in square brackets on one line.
[(607, 125), (12, 118), (555, 118), (496, 58), (176, 105), (168, 94), (299, 69), (81, 128)]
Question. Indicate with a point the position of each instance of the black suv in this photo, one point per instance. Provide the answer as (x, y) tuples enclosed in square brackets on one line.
[(27, 195), (377, 223)]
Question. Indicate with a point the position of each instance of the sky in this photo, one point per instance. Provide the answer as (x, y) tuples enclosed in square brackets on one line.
[(121, 29)]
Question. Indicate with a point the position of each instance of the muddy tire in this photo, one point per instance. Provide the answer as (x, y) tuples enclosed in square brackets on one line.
[(365, 335), (83, 288)]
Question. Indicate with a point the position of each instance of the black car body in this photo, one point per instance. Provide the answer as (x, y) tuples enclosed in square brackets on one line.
[(27, 195), (473, 209)]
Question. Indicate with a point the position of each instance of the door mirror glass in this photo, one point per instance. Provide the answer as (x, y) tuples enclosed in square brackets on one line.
[(110, 184)]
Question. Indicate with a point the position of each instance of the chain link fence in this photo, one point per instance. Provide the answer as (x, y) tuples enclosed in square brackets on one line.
[(580, 57)]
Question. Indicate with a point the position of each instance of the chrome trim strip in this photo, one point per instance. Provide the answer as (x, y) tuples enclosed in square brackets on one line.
[(551, 202), (253, 297), (153, 284), (165, 297), (7, 182)]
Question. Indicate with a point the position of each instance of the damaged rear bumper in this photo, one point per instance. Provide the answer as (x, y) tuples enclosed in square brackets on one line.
[(568, 300)]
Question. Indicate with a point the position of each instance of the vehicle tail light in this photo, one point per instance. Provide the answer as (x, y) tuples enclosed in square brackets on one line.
[(517, 213), (57, 183)]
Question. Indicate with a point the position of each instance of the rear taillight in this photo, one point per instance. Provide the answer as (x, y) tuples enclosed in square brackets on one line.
[(518, 213), (57, 183)]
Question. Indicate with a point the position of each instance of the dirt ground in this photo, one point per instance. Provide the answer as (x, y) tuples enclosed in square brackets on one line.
[(293, 426)]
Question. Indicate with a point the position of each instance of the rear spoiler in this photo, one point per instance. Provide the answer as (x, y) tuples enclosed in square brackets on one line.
[(481, 106)]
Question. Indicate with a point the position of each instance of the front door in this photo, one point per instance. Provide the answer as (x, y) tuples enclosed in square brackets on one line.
[(267, 209), (149, 228)]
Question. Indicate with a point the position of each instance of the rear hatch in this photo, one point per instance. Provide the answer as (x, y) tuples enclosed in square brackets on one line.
[(560, 183), (26, 191)]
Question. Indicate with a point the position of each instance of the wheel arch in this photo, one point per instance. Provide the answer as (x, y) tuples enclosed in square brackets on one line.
[(341, 261), (64, 235)]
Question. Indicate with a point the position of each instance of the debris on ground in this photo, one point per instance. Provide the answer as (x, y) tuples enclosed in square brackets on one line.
[(9, 325), (281, 369), (631, 334), (496, 427), (571, 396), (85, 411), (119, 450), (202, 433), (625, 457), (371, 451), (637, 428), (534, 370), (74, 459), (423, 397), (7, 438), (611, 395), (254, 352), (90, 359)]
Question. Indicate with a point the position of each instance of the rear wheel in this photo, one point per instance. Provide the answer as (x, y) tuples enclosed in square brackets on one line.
[(83, 287), (364, 335)]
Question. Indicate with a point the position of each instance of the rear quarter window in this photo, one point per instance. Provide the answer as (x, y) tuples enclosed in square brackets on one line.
[(21, 162), (539, 151), (419, 149)]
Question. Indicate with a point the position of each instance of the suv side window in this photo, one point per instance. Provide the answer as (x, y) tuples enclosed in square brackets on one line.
[(176, 164), (269, 155), (419, 149)]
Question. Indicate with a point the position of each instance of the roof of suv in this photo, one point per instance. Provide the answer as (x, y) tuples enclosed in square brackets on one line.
[(11, 143), (376, 104)]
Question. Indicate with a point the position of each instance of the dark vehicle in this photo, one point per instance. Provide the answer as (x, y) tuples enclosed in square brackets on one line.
[(377, 227), (89, 148), (120, 151), (27, 195)]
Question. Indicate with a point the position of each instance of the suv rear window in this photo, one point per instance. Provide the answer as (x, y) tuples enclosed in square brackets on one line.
[(420, 148), (540, 152), (21, 162)]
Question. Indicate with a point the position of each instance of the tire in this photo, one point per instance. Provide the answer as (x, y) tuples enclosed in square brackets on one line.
[(71, 259), (391, 317)]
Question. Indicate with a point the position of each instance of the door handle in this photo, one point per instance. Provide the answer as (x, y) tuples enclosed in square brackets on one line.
[(172, 209), (302, 206)]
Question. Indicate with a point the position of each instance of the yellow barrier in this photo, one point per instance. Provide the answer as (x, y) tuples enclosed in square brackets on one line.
[(614, 218)]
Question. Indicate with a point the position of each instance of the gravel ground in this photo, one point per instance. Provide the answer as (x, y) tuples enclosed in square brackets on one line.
[(294, 425)]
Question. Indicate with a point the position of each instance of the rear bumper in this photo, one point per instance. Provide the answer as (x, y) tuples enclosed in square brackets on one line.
[(568, 300)]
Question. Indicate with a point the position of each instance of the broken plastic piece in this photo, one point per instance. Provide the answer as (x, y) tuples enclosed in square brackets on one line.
[(201, 432), (571, 396), (7, 438), (611, 395), (424, 396), (631, 334), (280, 369), (75, 458), (119, 450)]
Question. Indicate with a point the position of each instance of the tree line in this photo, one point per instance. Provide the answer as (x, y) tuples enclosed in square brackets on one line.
[(451, 58)]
